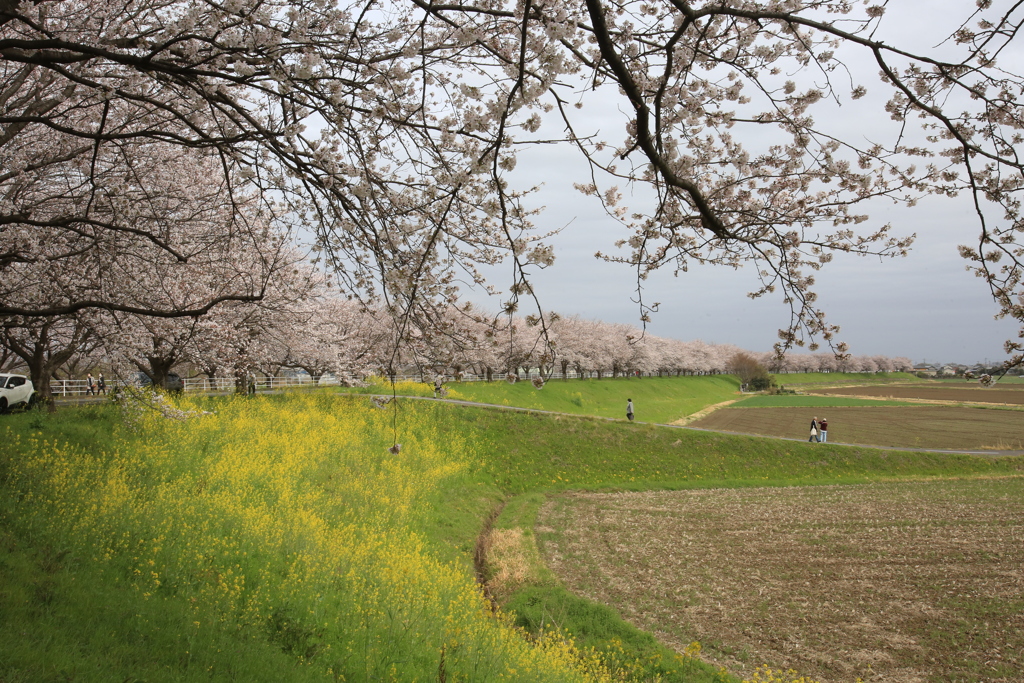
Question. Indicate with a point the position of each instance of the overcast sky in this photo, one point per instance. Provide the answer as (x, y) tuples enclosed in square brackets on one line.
[(926, 307)]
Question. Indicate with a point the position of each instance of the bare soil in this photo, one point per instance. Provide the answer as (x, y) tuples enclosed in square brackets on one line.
[(940, 427), (903, 582)]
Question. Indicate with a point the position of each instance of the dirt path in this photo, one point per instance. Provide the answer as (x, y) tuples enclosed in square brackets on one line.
[(702, 413)]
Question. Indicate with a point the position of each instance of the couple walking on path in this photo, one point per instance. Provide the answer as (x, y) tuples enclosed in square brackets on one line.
[(94, 387), (819, 430)]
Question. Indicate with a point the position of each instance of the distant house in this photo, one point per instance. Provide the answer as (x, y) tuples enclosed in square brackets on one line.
[(926, 369)]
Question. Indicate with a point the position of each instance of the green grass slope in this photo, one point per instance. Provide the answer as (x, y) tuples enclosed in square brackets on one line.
[(799, 401), (655, 399), (65, 619), (535, 452), (662, 400), (800, 378)]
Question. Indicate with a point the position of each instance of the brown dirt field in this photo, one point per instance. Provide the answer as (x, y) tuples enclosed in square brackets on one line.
[(907, 582), (946, 427), (966, 394)]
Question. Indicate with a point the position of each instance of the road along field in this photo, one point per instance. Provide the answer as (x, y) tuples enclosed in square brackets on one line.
[(907, 582), (924, 426), (1004, 394)]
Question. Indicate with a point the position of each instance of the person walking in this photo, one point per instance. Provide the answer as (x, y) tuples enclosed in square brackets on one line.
[(91, 388), (629, 409), (814, 430), (823, 429), (101, 384)]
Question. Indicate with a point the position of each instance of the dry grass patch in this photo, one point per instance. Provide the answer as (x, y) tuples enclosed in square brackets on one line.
[(702, 413), (507, 553), (903, 582)]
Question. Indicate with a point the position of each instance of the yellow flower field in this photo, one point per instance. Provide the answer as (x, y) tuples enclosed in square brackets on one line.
[(289, 519)]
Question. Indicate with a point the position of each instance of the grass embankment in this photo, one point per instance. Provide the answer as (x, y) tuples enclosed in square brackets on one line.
[(655, 399), (662, 400), (279, 539), (795, 379), (278, 535), (801, 401)]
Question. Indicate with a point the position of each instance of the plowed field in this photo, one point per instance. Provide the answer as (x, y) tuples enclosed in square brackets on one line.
[(924, 426), (1006, 394), (909, 582)]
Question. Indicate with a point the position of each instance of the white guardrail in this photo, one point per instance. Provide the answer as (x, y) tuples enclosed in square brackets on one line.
[(80, 387)]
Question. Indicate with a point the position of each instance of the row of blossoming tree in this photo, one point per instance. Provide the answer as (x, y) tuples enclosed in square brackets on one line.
[(190, 137), (300, 324)]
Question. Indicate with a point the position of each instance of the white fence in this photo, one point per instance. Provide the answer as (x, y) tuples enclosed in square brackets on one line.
[(80, 387)]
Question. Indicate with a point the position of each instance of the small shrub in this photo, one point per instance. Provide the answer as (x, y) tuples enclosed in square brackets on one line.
[(761, 382)]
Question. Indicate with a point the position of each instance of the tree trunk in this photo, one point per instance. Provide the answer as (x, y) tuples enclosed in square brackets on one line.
[(159, 368), (41, 357)]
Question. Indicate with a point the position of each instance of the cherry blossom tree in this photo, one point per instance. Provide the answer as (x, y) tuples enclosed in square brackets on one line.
[(566, 331), (44, 345), (626, 349), (138, 230), (330, 335), (391, 129), (902, 364), (883, 363), (76, 232), (489, 341), (674, 357), (190, 206), (244, 82), (8, 359), (517, 346)]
